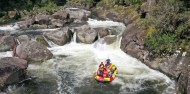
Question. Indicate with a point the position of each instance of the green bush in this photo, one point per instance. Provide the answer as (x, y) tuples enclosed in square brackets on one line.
[(161, 43), (128, 2), (172, 24)]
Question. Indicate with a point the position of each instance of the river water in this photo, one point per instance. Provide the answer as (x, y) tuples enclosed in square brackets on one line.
[(71, 70)]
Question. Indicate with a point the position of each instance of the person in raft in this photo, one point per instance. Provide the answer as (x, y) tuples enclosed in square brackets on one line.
[(101, 69), (108, 63)]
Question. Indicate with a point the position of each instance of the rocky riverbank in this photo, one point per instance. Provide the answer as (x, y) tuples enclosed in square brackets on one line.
[(133, 40)]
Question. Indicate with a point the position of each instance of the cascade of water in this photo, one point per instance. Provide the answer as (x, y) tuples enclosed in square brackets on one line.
[(75, 37), (13, 26), (6, 54), (18, 41), (98, 36), (50, 43)]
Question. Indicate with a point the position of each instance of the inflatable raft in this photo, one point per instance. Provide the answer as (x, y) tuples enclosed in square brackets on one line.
[(109, 74)]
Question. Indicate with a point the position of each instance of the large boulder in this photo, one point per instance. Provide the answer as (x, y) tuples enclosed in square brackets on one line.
[(42, 19), (12, 70), (57, 22), (23, 38), (78, 15), (33, 51), (38, 26), (103, 31), (108, 39), (25, 24), (62, 15), (183, 80), (59, 37), (7, 43), (170, 65), (58, 19), (133, 40), (85, 34)]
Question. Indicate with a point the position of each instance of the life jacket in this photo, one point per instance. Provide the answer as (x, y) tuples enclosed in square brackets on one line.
[(101, 68), (108, 66), (105, 73), (113, 67), (101, 65)]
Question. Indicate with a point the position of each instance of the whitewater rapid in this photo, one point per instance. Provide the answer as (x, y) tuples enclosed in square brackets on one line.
[(71, 70)]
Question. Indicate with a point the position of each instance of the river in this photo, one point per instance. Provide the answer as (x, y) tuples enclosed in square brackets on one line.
[(71, 70)]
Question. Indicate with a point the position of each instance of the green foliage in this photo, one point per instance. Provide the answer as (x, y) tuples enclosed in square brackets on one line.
[(37, 6), (184, 45), (150, 31), (50, 7), (160, 43), (172, 27), (128, 2), (85, 3), (16, 4)]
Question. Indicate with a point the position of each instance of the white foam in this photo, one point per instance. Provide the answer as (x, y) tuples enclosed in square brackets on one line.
[(6, 54), (43, 30), (108, 23), (14, 26)]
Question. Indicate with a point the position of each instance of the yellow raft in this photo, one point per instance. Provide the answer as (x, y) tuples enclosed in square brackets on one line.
[(105, 77)]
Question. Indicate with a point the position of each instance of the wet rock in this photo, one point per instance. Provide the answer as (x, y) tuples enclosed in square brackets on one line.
[(62, 15), (85, 34), (102, 32), (23, 38), (57, 22), (59, 37), (41, 40), (37, 26), (108, 39), (183, 81), (133, 41), (79, 15), (7, 43), (12, 70), (33, 51), (25, 24), (172, 65), (42, 19)]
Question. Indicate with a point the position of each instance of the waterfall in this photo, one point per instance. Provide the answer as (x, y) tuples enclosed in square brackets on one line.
[(74, 37), (18, 41), (50, 43)]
